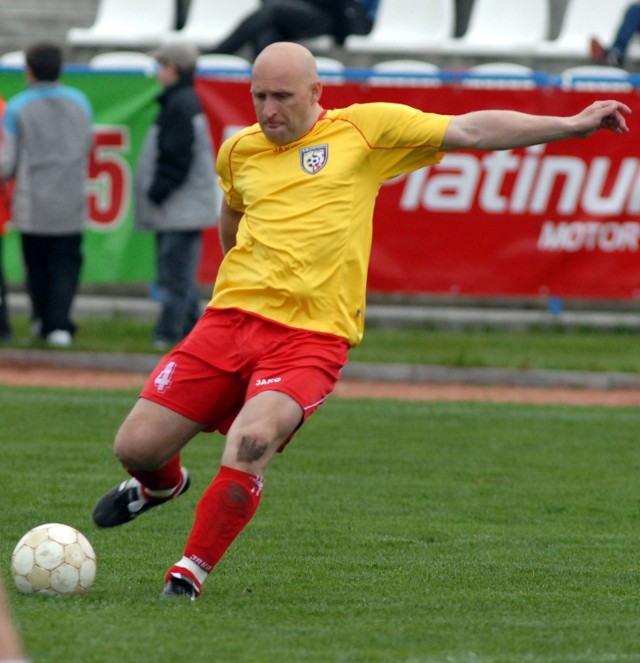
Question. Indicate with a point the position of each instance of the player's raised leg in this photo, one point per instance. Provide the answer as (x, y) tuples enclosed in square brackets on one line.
[(148, 445)]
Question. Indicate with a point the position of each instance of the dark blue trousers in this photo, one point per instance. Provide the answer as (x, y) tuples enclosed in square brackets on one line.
[(177, 258), (629, 26)]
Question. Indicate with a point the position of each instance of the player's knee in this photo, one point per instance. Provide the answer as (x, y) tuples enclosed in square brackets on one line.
[(132, 450)]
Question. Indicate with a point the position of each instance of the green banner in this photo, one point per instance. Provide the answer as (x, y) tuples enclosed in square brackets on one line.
[(124, 106)]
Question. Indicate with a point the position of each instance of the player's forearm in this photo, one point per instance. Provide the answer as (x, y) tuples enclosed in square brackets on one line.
[(500, 130)]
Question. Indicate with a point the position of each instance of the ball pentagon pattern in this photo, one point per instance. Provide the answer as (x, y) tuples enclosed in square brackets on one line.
[(53, 559)]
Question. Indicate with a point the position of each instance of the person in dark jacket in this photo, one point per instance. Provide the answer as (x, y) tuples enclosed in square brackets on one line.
[(175, 191), (289, 20)]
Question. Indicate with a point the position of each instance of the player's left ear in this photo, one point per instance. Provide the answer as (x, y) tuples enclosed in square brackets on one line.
[(316, 91)]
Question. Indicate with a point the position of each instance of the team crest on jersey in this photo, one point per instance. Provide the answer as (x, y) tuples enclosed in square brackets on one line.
[(313, 159)]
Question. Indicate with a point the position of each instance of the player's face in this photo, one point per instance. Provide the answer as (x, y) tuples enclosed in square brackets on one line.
[(285, 104)]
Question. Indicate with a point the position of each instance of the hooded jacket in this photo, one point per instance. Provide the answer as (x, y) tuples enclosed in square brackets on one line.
[(175, 180)]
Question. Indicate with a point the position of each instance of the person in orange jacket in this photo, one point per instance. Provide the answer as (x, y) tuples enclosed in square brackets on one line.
[(5, 326)]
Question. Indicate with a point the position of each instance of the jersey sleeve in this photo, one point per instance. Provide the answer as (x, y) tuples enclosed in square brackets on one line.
[(225, 168), (402, 138)]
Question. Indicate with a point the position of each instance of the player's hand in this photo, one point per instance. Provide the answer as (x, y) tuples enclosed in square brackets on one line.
[(602, 115)]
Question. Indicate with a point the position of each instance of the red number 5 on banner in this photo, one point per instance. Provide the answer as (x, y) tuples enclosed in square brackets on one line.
[(109, 177)]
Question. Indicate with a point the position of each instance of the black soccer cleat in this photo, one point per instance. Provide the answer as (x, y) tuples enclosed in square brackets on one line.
[(125, 502), (178, 587)]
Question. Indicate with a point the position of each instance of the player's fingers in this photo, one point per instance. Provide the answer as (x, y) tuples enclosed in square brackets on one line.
[(611, 105), (617, 107), (618, 120), (623, 108)]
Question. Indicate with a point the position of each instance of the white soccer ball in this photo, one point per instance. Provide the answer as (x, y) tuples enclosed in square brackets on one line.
[(53, 559)]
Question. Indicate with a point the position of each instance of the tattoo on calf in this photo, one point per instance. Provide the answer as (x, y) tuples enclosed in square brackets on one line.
[(250, 450)]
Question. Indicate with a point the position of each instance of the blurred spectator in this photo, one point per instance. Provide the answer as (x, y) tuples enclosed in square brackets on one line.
[(11, 649), (292, 20), (47, 138), (175, 192), (5, 326), (360, 16), (614, 55)]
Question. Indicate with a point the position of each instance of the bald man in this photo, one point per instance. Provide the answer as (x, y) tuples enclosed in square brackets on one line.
[(289, 299)]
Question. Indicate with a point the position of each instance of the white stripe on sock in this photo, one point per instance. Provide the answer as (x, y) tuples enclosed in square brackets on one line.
[(167, 492), (199, 573)]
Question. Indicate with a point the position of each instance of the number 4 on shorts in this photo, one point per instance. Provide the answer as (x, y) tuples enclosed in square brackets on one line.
[(163, 379)]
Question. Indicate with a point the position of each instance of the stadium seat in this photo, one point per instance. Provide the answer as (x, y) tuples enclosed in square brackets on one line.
[(123, 60), (330, 69), (500, 75), (584, 19), (329, 64), (127, 23), (13, 59), (502, 28), (211, 61), (222, 64), (596, 78), (320, 44), (403, 72), (407, 26), (210, 21)]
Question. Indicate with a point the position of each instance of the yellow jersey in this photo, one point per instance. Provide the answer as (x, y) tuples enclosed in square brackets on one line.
[(303, 244)]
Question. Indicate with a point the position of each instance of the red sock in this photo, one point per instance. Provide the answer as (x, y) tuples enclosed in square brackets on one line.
[(165, 478), (226, 506)]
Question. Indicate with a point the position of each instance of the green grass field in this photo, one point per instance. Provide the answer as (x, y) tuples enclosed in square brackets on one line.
[(553, 349), (388, 532)]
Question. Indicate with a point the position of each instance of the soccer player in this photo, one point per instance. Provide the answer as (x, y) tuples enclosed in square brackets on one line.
[(289, 300)]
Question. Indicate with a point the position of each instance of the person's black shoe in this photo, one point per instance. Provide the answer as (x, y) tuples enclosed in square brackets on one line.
[(178, 587), (125, 502)]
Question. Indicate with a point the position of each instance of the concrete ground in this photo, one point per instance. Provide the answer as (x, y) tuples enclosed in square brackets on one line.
[(377, 314)]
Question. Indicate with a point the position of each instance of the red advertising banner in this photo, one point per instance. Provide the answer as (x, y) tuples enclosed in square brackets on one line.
[(560, 219)]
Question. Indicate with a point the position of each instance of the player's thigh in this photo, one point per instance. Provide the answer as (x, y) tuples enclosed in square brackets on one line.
[(152, 434), (263, 424)]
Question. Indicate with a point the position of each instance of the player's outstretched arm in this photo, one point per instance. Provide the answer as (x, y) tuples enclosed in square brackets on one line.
[(501, 130)]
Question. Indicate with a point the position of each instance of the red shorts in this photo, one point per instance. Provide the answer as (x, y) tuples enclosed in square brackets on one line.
[(231, 356)]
